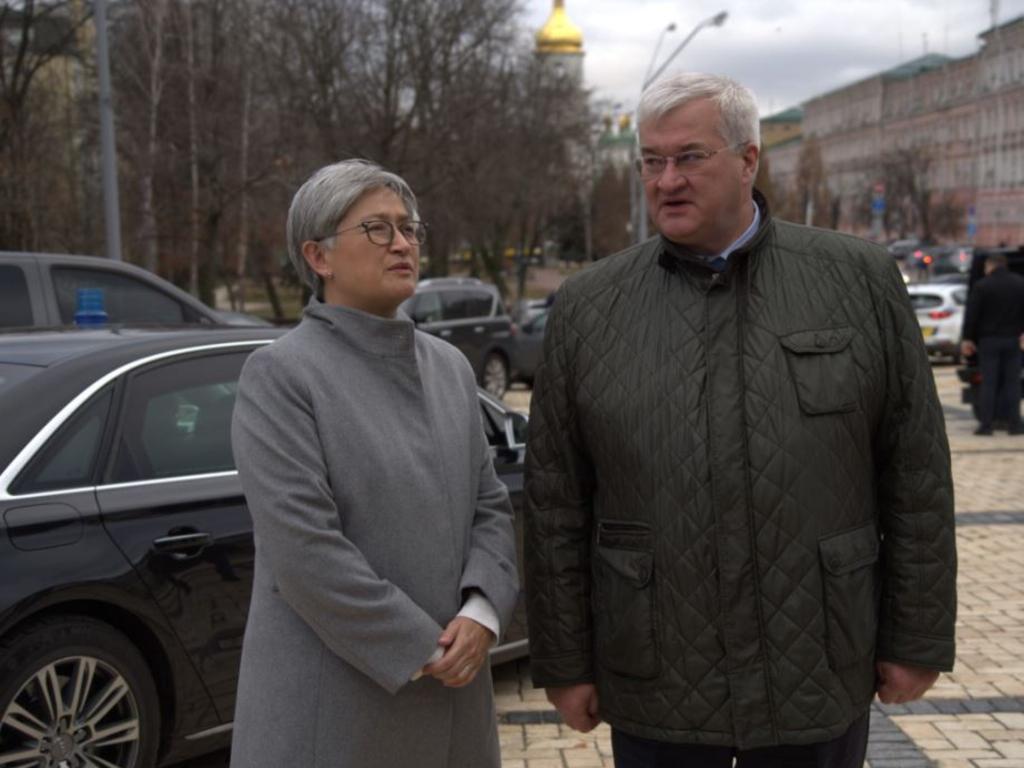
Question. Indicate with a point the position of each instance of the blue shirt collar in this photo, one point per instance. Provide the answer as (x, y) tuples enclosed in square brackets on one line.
[(743, 239)]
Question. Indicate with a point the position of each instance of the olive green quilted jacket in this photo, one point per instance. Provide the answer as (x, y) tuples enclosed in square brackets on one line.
[(738, 490)]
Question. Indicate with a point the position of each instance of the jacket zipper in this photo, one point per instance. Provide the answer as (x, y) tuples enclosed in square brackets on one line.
[(742, 278)]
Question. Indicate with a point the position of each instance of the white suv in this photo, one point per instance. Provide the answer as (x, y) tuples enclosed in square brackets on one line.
[(940, 312)]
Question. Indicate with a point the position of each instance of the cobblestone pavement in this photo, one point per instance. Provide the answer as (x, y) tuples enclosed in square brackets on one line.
[(973, 718)]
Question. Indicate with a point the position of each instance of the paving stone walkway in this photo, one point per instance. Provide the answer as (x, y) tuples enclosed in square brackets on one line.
[(973, 718)]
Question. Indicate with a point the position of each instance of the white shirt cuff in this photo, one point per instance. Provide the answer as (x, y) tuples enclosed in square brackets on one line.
[(479, 609)]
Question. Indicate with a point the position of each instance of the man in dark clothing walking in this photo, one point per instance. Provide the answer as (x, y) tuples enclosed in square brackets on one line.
[(994, 328)]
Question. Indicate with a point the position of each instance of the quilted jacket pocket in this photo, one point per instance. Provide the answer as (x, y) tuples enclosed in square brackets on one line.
[(822, 369), (624, 626), (849, 564)]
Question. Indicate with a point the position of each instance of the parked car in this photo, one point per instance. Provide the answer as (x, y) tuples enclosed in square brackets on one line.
[(900, 249), (970, 373), (948, 259), (41, 289), (126, 550), (468, 313), (940, 312), (928, 262), (528, 350)]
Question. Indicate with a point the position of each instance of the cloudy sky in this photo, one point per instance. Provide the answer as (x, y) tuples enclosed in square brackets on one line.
[(785, 50)]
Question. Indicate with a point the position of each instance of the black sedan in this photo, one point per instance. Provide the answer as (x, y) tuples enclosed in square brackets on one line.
[(126, 551)]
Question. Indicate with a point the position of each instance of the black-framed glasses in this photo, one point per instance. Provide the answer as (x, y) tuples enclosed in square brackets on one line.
[(381, 232), (651, 166)]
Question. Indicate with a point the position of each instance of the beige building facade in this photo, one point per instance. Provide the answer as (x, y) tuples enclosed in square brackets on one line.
[(940, 140)]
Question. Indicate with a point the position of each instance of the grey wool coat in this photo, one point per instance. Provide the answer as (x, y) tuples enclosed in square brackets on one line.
[(375, 509)]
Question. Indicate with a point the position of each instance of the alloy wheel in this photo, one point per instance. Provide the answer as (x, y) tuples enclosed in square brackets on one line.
[(76, 712)]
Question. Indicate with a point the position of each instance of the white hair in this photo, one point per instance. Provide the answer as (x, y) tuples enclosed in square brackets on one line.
[(322, 202), (737, 107)]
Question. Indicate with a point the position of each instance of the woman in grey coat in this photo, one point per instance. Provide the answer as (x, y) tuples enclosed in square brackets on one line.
[(385, 562)]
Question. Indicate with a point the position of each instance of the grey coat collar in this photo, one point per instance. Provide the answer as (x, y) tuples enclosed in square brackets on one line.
[(383, 337)]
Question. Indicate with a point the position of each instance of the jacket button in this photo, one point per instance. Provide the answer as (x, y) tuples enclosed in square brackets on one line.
[(819, 340)]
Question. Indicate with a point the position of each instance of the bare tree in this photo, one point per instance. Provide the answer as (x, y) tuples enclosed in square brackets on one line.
[(35, 92), (611, 211), (142, 78), (215, 137), (764, 183), (947, 216), (814, 203), (905, 171)]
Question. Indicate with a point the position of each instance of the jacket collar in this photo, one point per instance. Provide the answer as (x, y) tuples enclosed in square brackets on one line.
[(673, 256), (380, 336)]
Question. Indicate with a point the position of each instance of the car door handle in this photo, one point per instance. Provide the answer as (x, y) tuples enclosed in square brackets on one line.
[(181, 546), (446, 333), (479, 329)]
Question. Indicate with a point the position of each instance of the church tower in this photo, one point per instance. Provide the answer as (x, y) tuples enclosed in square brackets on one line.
[(560, 44)]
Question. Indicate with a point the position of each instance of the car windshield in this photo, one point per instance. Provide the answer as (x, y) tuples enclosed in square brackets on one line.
[(11, 374)]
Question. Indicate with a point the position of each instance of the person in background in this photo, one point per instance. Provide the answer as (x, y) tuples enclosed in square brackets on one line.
[(994, 329), (385, 560), (739, 502)]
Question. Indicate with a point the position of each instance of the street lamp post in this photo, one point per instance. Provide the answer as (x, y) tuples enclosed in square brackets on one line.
[(714, 21), (111, 205), (638, 213), (671, 27)]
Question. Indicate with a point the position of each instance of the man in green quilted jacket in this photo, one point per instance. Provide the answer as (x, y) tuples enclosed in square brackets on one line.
[(739, 502)]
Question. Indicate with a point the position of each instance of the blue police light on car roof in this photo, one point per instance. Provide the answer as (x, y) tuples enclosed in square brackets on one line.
[(90, 310)]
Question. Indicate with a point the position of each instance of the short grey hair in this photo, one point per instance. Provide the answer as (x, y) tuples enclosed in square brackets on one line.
[(737, 106), (322, 202)]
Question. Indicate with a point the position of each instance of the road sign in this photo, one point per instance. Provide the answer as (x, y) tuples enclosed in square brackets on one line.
[(878, 198)]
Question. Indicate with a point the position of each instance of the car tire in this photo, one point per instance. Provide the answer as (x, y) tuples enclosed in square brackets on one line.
[(494, 377), (98, 683)]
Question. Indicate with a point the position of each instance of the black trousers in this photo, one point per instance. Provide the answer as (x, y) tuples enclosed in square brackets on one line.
[(846, 751), (999, 359)]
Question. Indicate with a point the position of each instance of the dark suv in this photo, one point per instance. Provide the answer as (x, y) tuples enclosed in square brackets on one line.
[(469, 314), (969, 373)]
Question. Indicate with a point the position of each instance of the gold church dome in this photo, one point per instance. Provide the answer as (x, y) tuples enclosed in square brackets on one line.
[(559, 34)]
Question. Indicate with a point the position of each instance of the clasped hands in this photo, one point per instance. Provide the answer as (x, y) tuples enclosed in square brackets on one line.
[(896, 684), (466, 645)]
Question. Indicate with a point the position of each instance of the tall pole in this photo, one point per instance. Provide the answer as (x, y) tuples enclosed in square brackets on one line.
[(671, 27), (715, 21), (637, 208), (111, 211), (1001, 82)]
